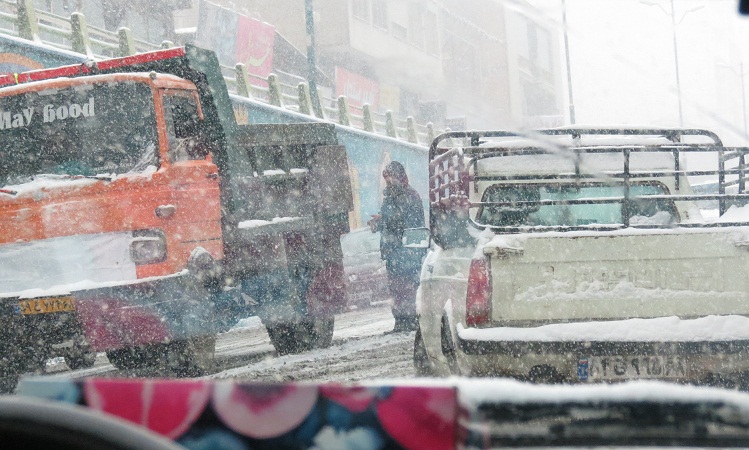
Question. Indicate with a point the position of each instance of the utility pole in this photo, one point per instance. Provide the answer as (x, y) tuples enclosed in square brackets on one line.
[(674, 22), (676, 62), (743, 94), (567, 58), (309, 16)]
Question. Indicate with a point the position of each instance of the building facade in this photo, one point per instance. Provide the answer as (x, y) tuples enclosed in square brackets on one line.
[(456, 64)]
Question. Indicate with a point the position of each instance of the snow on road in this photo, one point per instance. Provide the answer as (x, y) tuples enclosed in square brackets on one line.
[(361, 359), (360, 351)]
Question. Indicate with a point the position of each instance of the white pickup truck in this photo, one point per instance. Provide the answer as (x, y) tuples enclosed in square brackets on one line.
[(582, 255)]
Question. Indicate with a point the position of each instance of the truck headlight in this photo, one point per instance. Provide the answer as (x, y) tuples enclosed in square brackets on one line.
[(148, 247)]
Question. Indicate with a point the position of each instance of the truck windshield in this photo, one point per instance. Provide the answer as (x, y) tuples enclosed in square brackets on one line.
[(85, 130), (650, 212)]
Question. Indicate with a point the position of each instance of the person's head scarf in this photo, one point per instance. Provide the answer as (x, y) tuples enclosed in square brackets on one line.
[(397, 171)]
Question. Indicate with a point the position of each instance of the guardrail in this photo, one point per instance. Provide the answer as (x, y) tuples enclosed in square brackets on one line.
[(20, 18)]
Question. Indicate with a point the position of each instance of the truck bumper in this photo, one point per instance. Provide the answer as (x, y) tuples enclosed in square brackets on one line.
[(700, 362), (154, 310), (27, 339)]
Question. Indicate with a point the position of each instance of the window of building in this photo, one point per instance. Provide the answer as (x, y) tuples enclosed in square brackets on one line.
[(431, 43), (544, 50), (360, 9), (380, 13), (537, 46), (399, 31), (416, 24), (462, 59), (538, 100), (532, 40)]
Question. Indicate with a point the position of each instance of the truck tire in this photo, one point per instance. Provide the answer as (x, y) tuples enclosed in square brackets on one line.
[(14, 363), (192, 357), (320, 331), (283, 336), (83, 360), (80, 355), (307, 334), (128, 358), (8, 382)]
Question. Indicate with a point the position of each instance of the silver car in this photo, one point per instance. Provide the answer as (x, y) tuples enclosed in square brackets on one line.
[(366, 278)]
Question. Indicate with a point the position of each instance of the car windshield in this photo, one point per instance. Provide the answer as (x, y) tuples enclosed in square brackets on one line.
[(105, 128), (514, 201)]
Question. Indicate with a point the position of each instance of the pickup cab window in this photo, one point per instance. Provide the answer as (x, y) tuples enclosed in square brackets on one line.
[(182, 116), (642, 212)]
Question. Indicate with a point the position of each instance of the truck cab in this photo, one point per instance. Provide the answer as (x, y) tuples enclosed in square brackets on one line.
[(107, 158)]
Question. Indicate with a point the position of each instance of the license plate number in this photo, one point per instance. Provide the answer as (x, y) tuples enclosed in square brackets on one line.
[(618, 367), (46, 305)]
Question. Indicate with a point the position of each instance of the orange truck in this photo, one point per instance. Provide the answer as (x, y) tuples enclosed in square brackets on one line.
[(137, 218)]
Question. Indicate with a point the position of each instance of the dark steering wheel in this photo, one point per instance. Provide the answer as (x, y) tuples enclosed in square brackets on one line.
[(36, 424)]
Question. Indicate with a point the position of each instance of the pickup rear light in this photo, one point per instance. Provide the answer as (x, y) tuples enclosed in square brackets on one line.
[(148, 247), (479, 295)]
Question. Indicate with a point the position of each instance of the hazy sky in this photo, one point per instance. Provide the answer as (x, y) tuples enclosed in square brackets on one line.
[(623, 68)]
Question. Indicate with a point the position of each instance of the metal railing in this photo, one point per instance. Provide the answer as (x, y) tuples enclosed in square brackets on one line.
[(451, 177), (289, 91)]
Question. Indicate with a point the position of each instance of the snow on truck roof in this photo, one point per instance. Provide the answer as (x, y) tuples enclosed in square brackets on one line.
[(90, 67), (144, 77)]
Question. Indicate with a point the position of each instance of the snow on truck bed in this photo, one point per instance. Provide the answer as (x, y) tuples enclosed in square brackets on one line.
[(660, 329)]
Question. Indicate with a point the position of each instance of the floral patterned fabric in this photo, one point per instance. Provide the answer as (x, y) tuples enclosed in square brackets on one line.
[(203, 414)]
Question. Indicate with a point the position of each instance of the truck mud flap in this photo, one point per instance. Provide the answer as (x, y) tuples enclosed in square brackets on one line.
[(326, 293)]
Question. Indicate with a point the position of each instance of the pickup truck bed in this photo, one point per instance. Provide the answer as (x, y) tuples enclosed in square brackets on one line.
[(583, 256)]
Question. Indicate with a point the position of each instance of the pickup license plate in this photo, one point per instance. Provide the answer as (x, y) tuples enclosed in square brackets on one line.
[(46, 305), (617, 367)]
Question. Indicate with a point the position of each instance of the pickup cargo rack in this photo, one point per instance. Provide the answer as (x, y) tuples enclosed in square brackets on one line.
[(450, 177)]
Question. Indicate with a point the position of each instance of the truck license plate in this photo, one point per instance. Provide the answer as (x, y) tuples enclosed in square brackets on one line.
[(617, 367), (46, 305)]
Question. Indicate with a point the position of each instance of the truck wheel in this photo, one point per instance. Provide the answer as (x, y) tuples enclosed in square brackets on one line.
[(320, 331), (301, 336), (82, 360), (283, 336), (8, 382), (421, 358), (192, 357), (129, 358), (80, 355), (13, 363)]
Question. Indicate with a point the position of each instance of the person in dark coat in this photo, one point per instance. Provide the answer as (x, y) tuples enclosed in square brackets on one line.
[(401, 209)]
